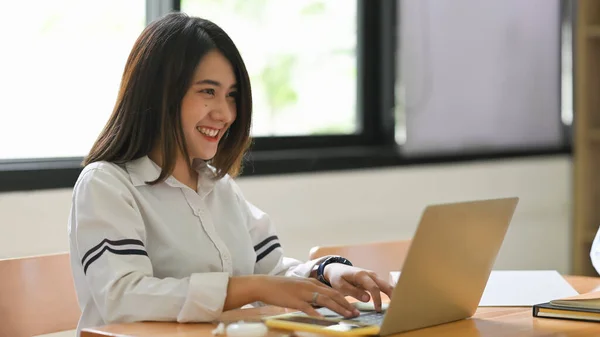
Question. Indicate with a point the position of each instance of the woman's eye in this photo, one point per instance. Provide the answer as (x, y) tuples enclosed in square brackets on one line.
[(233, 95), (208, 91)]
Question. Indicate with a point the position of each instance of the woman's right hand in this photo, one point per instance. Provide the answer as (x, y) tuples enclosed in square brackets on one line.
[(298, 293)]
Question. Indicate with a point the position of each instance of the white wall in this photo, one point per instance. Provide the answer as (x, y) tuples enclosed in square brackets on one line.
[(357, 206)]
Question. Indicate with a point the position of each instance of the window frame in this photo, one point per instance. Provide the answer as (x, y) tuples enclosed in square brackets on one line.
[(374, 145)]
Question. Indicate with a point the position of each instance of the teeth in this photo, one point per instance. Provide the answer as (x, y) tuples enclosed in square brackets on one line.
[(208, 132)]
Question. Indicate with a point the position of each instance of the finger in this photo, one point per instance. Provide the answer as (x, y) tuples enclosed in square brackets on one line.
[(367, 283), (348, 289), (338, 298), (306, 308), (335, 296), (333, 304), (386, 287)]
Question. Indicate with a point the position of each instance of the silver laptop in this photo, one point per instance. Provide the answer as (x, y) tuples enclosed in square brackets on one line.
[(443, 277)]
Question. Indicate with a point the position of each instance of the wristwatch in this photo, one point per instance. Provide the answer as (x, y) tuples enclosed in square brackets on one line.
[(333, 259)]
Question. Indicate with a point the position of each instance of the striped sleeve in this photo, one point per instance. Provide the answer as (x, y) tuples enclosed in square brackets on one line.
[(122, 247), (108, 236), (266, 246)]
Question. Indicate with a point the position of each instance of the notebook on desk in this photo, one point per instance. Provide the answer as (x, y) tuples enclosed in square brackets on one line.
[(584, 307)]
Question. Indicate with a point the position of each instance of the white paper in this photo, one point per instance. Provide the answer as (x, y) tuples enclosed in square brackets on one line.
[(516, 288), (525, 288)]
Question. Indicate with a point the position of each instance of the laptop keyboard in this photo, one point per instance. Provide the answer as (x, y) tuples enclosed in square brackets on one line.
[(369, 318), (365, 317)]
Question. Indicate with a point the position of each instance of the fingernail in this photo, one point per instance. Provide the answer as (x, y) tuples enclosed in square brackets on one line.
[(365, 297)]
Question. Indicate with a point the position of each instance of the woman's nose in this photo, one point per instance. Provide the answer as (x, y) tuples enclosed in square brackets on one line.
[(224, 112)]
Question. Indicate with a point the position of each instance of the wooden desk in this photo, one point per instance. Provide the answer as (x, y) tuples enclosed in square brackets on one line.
[(488, 321)]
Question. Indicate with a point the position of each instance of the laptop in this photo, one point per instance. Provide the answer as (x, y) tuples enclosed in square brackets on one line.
[(443, 278)]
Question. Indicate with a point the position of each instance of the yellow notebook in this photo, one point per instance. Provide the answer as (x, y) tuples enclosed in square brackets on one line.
[(584, 307)]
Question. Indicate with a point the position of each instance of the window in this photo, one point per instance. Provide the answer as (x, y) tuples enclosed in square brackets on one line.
[(301, 57), (493, 88), (62, 72), (567, 62), (337, 84)]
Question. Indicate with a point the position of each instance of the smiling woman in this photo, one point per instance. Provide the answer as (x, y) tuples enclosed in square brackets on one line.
[(159, 229)]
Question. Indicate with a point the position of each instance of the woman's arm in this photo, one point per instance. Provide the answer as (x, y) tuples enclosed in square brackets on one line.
[(270, 260), (241, 290)]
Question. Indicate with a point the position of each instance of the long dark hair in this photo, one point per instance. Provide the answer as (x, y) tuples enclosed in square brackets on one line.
[(157, 75)]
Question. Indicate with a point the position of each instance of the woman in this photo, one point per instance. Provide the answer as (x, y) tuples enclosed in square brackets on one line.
[(159, 230)]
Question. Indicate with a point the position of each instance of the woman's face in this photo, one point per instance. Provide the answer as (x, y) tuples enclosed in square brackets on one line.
[(209, 106)]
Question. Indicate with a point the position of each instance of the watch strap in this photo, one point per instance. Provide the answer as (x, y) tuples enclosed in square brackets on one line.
[(329, 260)]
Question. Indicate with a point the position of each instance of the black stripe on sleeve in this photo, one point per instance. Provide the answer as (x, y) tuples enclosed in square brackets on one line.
[(265, 241), (114, 251), (267, 251), (111, 242)]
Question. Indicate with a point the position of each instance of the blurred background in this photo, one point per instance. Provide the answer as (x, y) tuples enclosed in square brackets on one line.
[(365, 113)]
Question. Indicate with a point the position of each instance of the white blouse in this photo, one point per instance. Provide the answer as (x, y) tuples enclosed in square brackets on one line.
[(595, 252), (164, 252)]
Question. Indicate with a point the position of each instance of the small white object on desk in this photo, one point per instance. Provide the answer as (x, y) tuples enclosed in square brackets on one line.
[(242, 329), (219, 330)]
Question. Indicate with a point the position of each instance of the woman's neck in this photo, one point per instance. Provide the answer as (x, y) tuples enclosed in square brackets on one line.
[(182, 170)]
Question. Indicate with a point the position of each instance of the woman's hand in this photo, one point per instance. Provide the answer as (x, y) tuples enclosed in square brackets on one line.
[(299, 293), (356, 282)]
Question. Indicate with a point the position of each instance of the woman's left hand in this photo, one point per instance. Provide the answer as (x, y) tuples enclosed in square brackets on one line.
[(356, 282)]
